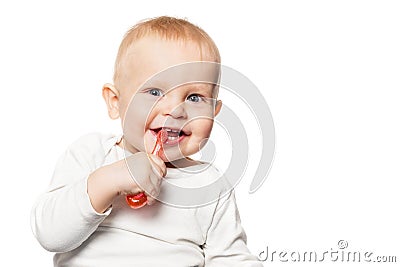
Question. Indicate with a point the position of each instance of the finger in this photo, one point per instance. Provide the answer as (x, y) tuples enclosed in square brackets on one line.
[(153, 196), (156, 184), (152, 185), (157, 161), (164, 169), (151, 201), (158, 170)]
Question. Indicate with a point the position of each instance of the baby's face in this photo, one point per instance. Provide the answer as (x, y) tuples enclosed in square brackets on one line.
[(186, 111)]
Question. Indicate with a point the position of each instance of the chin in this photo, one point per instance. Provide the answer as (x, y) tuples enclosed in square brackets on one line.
[(176, 156)]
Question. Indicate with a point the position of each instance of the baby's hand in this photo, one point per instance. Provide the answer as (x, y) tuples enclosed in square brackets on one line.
[(107, 182), (140, 172)]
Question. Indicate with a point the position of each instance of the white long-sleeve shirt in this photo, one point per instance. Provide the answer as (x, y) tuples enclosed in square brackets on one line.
[(64, 221)]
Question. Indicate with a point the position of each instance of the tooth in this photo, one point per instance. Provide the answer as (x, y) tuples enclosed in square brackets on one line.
[(171, 130)]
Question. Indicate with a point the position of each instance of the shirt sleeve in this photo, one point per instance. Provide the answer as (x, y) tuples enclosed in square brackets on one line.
[(226, 240), (63, 217)]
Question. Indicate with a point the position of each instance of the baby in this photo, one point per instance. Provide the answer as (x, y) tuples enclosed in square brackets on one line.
[(84, 217)]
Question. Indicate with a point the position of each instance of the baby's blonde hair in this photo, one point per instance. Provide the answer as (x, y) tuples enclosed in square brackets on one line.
[(169, 28)]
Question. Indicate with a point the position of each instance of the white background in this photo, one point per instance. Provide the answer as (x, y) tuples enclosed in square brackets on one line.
[(329, 71)]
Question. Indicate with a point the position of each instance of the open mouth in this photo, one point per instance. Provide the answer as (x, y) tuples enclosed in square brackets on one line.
[(174, 135)]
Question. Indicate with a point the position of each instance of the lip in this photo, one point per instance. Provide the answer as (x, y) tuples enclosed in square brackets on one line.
[(170, 142)]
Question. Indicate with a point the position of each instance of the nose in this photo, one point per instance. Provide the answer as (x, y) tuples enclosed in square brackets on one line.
[(173, 107)]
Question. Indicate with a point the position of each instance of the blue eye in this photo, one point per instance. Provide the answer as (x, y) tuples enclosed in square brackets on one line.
[(194, 98), (155, 92)]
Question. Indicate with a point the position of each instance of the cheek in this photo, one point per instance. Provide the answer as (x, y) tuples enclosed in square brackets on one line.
[(134, 125), (202, 127), (201, 130)]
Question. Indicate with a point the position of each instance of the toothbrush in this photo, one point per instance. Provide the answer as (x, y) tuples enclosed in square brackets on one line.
[(140, 199)]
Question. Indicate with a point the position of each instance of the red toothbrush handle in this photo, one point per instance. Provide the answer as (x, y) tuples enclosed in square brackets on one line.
[(136, 201), (140, 199)]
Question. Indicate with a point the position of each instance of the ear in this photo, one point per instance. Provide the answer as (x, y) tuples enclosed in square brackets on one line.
[(218, 106), (111, 96)]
